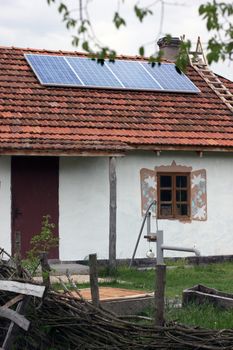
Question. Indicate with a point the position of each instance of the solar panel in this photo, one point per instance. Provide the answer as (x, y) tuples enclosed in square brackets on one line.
[(170, 80), (122, 74), (53, 70), (133, 75), (93, 74)]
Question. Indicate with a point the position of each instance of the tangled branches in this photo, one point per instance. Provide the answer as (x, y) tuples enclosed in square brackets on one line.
[(64, 321)]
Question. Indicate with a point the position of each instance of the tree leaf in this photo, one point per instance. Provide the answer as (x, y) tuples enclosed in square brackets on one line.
[(75, 40), (141, 51), (142, 12), (118, 20), (62, 8), (85, 46)]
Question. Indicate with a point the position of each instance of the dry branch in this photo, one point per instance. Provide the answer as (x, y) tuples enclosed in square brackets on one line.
[(62, 321)]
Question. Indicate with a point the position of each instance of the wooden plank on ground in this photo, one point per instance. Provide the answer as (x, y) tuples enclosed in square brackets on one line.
[(22, 288), (12, 315), (13, 328)]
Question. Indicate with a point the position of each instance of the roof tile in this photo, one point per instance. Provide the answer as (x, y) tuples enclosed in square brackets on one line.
[(41, 118)]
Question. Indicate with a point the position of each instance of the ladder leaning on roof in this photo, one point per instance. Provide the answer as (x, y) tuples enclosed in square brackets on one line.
[(198, 61)]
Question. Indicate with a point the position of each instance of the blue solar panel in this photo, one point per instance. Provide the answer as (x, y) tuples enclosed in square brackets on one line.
[(133, 75), (92, 73), (53, 70), (169, 79)]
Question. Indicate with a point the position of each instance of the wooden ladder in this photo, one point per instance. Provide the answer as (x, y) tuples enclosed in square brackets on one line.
[(198, 62)]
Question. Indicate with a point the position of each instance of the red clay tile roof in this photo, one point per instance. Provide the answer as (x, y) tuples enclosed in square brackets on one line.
[(36, 118)]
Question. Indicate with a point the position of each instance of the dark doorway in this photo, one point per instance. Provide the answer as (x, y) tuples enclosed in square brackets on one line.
[(34, 186)]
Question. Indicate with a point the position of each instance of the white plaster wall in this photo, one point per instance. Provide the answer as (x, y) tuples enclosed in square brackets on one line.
[(84, 200), (213, 237), (83, 207), (5, 203)]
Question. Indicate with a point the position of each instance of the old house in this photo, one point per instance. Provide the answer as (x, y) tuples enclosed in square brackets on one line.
[(70, 127)]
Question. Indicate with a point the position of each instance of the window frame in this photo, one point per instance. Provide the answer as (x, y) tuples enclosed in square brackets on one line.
[(174, 201)]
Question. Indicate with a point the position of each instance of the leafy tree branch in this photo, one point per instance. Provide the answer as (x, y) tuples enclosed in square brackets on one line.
[(217, 16), (219, 21)]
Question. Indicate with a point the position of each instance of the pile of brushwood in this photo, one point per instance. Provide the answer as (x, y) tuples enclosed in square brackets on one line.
[(62, 321)]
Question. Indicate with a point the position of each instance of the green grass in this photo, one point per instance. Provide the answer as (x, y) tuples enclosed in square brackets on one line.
[(206, 316), (219, 276)]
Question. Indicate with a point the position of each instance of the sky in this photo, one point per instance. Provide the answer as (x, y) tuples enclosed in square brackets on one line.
[(34, 24)]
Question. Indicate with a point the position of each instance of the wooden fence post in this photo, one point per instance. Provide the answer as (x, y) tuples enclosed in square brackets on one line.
[(160, 295), (17, 255), (112, 212), (94, 280), (45, 268)]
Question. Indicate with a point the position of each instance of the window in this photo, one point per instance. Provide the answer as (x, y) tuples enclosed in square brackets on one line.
[(173, 195), (180, 192)]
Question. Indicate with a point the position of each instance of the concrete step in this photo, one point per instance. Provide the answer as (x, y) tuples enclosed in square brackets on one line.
[(73, 269)]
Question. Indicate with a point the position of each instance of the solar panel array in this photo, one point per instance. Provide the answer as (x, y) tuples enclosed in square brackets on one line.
[(122, 74)]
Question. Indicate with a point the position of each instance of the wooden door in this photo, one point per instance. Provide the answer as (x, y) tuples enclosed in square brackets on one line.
[(34, 186)]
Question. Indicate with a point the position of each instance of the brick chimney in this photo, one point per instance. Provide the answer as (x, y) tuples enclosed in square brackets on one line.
[(170, 48)]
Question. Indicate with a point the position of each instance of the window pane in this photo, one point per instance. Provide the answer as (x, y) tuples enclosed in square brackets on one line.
[(182, 209), (166, 195), (165, 181), (181, 181), (166, 209), (181, 196)]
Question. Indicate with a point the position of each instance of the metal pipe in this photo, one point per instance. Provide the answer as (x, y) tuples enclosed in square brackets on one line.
[(140, 232), (148, 224), (159, 255), (181, 249)]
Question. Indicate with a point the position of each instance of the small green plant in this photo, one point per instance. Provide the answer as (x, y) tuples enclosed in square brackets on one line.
[(42, 242)]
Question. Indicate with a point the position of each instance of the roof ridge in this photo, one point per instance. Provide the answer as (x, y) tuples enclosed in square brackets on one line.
[(78, 53)]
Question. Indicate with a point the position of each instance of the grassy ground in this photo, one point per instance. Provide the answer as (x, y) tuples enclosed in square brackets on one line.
[(206, 316), (219, 276)]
